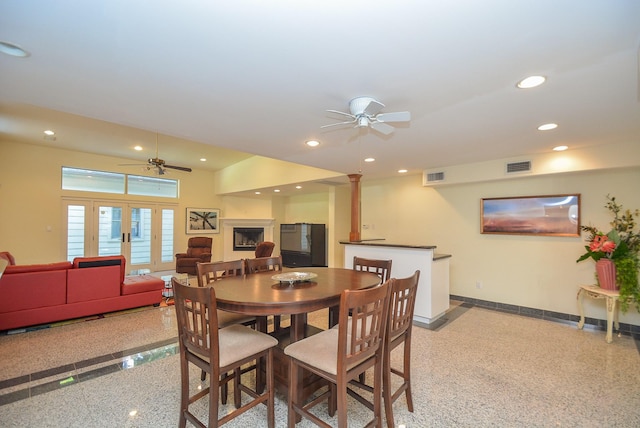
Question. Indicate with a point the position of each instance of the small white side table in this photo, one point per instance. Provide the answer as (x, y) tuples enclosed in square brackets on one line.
[(613, 306)]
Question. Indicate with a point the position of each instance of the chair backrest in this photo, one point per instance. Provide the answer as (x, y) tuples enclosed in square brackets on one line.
[(361, 338), (401, 305), (215, 271), (263, 264), (264, 249), (197, 321), (199, 245), (380, 267)]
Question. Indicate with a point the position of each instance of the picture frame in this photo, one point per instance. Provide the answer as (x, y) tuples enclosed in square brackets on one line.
[(548, 215), (202, 220)]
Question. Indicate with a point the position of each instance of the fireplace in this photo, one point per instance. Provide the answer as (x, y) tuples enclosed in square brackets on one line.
[(246, 238), (231, 251)]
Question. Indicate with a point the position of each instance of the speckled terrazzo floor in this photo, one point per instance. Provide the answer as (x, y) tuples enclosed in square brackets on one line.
[(480, 368)]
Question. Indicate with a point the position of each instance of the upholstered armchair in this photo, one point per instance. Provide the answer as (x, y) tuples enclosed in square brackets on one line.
[(198, 251), (264, 249), (5, 255)]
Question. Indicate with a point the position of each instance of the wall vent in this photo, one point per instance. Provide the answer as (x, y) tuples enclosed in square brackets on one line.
[(516, 167), (435, 176)]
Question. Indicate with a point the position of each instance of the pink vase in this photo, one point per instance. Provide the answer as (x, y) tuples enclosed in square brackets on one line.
[(606, 271)]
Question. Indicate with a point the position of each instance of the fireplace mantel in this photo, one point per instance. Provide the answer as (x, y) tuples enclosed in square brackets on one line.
[(229, 223)]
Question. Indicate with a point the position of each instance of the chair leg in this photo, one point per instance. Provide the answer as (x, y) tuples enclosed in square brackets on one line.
[(237, 401), (341, 394), (214, 397), (377, 387), (271, 400), (276, 323), (184, 391), (407, 373), (386, 389), (293, 393)]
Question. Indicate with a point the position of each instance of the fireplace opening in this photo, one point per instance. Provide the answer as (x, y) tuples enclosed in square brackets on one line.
[(247, 238)]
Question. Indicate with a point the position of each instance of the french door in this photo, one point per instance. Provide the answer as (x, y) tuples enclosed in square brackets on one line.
[(141, 232)]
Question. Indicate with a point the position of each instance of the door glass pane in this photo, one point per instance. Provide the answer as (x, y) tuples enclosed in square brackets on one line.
[(109, 243), (75, 231), (167, 236), (140, 236)]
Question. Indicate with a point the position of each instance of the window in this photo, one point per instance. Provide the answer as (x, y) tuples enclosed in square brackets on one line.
[(110, 182), (92, 181), (151, 186)]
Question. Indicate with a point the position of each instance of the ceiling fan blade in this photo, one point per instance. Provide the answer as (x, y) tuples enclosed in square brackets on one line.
[(180, 168), (373, 108), (339, 123), (399, 116), (382, 128), (340, 112)]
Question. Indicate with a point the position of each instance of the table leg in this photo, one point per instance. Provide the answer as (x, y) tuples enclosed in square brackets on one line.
[(581, 308), (334, 314), (611, 305)]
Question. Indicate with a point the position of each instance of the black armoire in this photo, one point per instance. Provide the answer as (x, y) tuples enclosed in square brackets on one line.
[(303, 244)]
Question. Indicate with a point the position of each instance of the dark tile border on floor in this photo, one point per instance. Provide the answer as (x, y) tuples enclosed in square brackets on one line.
[(593, 323), (139, 355)]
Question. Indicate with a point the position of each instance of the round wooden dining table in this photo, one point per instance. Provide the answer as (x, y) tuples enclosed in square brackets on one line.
[(260, 295)]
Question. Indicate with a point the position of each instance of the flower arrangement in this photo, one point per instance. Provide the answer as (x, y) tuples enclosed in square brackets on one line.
[(622, 245)]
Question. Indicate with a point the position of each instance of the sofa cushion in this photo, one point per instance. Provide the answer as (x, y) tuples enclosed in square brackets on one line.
[(141, 284), (29, 290), (93, 283), (37, 268), (90, 262)]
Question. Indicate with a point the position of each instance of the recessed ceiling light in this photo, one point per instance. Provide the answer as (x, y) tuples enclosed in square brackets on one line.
[(276, 190), (13, 50), (203, 159), (547, 126), (370, 160), (312, 143), (531, 82), (137, 148), (402, 171), (257, 193), (298, 187), (49, 132), (560, 148)]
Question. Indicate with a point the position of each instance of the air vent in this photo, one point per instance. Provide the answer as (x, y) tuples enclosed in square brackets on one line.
[(516, 167), (435, 176)]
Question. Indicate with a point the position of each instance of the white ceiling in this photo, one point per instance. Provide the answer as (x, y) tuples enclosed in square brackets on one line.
[(256, 76)]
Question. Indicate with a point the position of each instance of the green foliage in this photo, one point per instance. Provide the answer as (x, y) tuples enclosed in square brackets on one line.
[(623, 249)]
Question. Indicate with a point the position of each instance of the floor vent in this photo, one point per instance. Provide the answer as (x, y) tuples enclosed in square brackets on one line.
[(435, 176), (515, 167)]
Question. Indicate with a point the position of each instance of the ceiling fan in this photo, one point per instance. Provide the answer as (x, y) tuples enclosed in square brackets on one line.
[(365, 112), (160, 164)]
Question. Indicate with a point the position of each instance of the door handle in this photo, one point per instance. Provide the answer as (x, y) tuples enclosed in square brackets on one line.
[(128, 237)]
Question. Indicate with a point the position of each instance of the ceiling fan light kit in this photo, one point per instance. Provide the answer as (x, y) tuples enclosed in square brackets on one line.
[(365, 112)]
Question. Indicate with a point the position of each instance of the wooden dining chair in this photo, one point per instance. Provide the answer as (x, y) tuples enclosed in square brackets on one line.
[(402, 302), (208, 274), (266, 264), (218, 351), (380, 267), (340, 355)]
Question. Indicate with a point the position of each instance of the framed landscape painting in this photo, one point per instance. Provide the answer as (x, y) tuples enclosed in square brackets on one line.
[(203, 220), (552, 215)]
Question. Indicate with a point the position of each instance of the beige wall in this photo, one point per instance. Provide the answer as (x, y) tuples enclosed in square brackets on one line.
[(534, 271), (31, 199)]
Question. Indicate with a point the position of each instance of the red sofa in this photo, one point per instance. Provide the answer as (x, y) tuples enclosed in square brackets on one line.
[(43, 293)]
